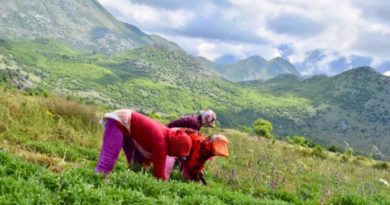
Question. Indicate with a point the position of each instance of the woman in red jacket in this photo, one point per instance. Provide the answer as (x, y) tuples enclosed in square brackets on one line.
[(203, 148), (143, 140), (206, 118)]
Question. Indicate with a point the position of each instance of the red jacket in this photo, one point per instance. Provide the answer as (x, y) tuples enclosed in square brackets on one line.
[(201, 151), (152, 137)]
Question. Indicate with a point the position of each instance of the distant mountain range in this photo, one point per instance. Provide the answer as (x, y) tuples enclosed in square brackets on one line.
[(226, 59), (252, 68)]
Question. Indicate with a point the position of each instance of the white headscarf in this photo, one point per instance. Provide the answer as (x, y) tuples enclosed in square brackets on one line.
[(208, 116)]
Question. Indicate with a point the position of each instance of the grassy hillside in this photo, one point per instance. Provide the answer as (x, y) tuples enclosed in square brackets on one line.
[(350, 108), (163, 80), (49, 147)]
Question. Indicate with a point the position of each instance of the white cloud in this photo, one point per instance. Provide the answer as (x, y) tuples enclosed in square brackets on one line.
[(147, 16), (387, 73), (212, 49), (376, 62), (212, 28)]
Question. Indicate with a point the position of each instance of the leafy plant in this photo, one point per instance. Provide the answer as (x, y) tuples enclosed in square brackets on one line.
[(300, 140), (318, 151), (263, 128)]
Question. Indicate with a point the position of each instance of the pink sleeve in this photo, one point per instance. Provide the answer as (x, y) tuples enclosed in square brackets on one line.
[(169, 164)]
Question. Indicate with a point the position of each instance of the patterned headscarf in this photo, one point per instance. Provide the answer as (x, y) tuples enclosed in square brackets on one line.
[(208, 118)]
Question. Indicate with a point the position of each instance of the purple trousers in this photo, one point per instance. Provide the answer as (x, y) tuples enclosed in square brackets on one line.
[(113, 141)]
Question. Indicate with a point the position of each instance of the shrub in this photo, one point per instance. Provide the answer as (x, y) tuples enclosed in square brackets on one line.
[(361, 158), (299, 140), (304, 151), (382, 166), (349, 151), (345, 158), (334, 148), (318, 151), (263, 128)]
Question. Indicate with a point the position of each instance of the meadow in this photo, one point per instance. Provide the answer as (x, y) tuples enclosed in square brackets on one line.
[(49, 146)]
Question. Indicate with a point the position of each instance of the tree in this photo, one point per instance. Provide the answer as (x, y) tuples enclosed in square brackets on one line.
[(263, 128)]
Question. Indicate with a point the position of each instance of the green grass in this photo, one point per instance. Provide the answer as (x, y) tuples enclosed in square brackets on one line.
[(49, 147)]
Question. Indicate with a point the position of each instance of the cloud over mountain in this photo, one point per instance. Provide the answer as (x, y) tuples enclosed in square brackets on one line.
[(339, 29)]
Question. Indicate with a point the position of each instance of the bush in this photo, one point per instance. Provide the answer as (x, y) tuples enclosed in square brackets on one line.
[(263, 128), (334, 148), (299, 140), (382, 166), (318, 151), (349, 151), (345, 158)]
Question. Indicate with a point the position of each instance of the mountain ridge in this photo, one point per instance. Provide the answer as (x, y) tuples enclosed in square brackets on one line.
[(82, 24), (252, 68)]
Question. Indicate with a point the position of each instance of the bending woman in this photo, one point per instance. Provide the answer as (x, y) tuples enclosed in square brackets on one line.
[(143, 140)]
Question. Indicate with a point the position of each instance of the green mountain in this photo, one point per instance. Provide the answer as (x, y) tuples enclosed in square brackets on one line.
[(349, 109), (163, 80), (81, 24), (252, 68)]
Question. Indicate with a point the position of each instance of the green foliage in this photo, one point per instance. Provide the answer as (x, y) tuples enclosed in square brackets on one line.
[(318, 151), (345, 158), (300, 140), (246, 129), (27, 183), (263, 128), (349, 199), (349, 151), (382, 166), (334, 148)]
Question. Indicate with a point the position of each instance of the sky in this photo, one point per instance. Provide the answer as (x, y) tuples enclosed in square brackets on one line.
[(318, 37)]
